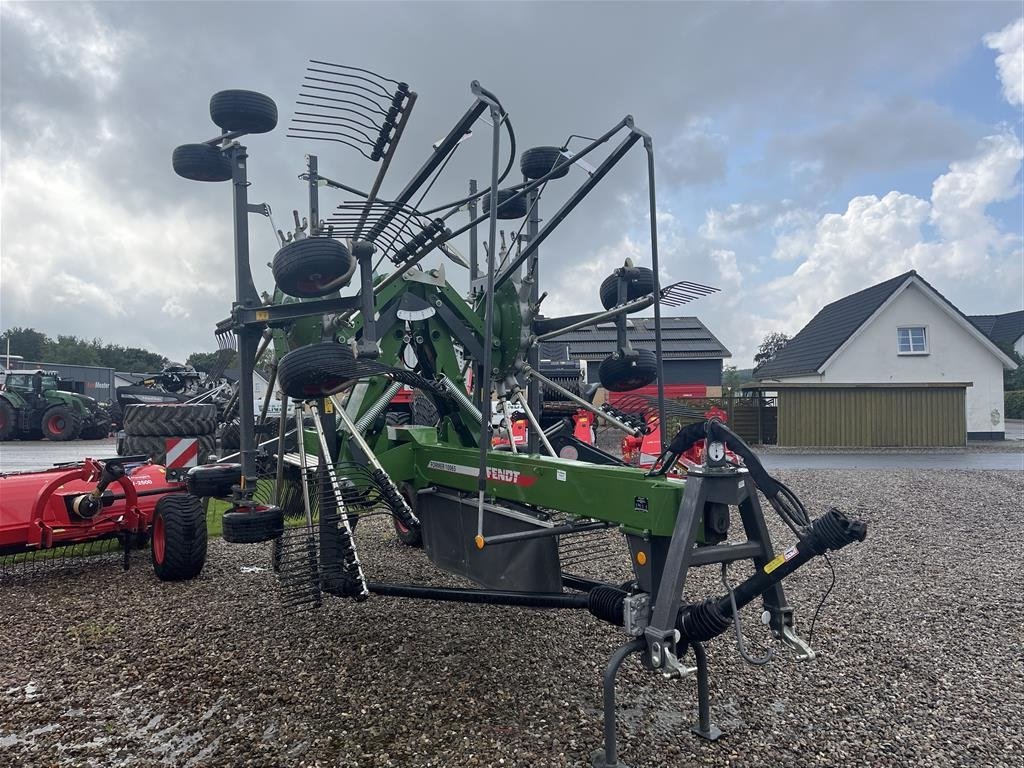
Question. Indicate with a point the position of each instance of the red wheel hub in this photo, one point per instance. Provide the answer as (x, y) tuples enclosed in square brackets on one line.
[(55, 424), (158, 539)]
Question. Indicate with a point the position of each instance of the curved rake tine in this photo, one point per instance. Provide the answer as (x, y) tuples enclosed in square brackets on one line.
[(344, 91), (375, 87), (324, 138), (355, 107), (369, 123), (356, 69), (353, 130)]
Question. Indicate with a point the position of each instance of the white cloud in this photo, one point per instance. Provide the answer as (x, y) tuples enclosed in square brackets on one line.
[(696, 155), (1009, 41)]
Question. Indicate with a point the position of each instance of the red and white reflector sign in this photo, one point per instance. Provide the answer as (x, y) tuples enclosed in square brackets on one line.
[(182, 452)]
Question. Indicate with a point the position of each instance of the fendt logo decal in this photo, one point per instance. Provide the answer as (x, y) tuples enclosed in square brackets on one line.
[(494, 474)]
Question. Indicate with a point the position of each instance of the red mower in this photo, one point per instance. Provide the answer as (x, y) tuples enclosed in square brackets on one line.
[(90, 507)]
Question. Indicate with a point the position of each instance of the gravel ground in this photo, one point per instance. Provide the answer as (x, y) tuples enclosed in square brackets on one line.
[(921, 659)]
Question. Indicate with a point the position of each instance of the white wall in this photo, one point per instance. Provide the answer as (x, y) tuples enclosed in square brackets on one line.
[(1018, 346), (954, 355)]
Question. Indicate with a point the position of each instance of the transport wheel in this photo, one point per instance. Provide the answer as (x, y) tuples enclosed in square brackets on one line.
[(213, 479), (315, 370), (61, 423), (172, 420), (411, 537), (537, 162), (155, 446), (621, 373), (253, 525), (515, 209), (201, 162), (178, 546), (246, 111), (639, 282), (7, 420), (307, 268)]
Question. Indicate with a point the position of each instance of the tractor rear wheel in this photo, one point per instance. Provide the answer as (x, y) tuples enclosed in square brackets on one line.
[(315, 370), (171, 420), (61, 423), (410, 536), (538, 162), (246, 111), (308, 268), (253, 525), (622, 373), (8, 420), (178, 546), (201, 162), (515, 209), (639, 282)]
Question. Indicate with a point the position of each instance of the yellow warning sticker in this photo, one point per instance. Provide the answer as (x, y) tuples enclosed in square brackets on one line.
[(328, 405), (262, 315), (775, 563)]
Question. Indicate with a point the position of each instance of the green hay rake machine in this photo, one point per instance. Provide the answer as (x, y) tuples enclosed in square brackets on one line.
[(496, 517)]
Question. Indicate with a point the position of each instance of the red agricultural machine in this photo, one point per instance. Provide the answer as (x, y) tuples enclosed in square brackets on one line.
[(54, 516)]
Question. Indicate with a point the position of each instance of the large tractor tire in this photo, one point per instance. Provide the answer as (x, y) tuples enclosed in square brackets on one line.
[(155, 447), (308, 268), (639, 282), (61, 423), (315, 370), (95, 432), (622, 373), (253, 526), (201, 162), (8, 421), (170, 420), (538, 162), (515, 209), (409, 536), (178, 543), (246, 111)]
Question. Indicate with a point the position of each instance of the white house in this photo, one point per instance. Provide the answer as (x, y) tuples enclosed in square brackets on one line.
[(899, 333)]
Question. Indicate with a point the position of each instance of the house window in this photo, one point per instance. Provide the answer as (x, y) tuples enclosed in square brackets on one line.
[(912, 340)]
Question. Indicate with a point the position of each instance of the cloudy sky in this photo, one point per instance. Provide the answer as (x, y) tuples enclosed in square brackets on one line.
[(804, 151)]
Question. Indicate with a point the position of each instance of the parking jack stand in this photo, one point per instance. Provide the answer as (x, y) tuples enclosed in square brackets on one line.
[(704, 728), (609, 757)]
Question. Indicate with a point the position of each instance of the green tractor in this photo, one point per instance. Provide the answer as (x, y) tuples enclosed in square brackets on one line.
[(33, 406)]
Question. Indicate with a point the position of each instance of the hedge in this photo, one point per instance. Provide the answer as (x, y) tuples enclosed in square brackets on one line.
[(1015, 404)]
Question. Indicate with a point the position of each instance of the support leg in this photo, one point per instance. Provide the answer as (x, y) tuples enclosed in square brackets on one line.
[(704, 728), (608, 757)]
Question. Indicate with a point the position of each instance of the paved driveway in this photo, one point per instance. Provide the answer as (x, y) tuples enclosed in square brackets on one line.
[(972, 460), (1015, 429)]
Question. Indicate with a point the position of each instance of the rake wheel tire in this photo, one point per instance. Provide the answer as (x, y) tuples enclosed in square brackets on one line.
[(201, 162), (639, 282), (213, 480), (516, 209), (315, 370), (537, 162), (253, 526), (155, 447), (627, 372), (246, 111), (7, 420), (178, 545), (171, 420), (230, 436), (60, 423), (305, 268), (410, 537)]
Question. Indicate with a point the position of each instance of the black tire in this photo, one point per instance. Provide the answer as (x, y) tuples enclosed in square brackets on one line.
[(410, 537), (60, 423), (303, 268), (95, 432), (423, 411), (622, 374), (639, 282), (537, 162), (172, 420), (315, 370), (178, 546), (213, 479), (516, 209), (230, 436), (8, 421), (155, 447), (246, 111), (201, 162), (252, 526)]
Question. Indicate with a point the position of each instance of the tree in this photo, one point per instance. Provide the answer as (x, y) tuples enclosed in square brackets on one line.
[(1013, 380), (770, 347), (730, 380), (27, 342), (202, 361)]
